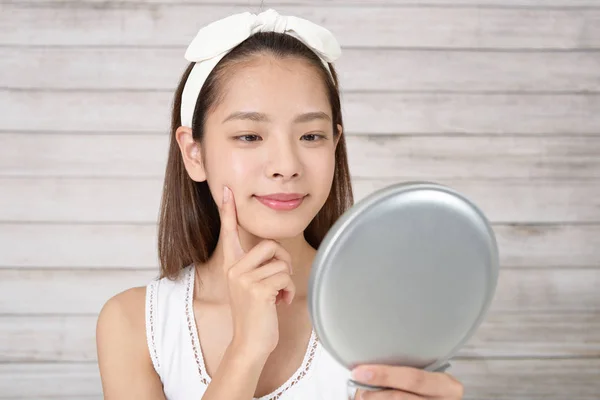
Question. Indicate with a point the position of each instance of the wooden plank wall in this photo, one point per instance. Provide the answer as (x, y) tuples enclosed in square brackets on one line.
[(497, 98)]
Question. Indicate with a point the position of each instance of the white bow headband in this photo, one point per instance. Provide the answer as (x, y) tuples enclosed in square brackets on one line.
[(215, 40)]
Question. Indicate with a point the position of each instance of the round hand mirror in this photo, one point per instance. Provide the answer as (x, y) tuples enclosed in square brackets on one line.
[(404, 277)]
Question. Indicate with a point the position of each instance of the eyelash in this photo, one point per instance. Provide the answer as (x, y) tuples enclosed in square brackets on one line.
[(323, 137)]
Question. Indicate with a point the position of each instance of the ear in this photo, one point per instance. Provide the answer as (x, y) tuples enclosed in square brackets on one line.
[(340, 133), (190, 151)]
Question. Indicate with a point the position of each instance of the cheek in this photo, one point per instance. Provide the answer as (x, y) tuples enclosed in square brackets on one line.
[(237, 169), (224, 163), (238, 166), (321, 170)]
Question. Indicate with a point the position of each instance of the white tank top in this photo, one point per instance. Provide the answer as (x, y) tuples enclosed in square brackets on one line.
[(177, 355)]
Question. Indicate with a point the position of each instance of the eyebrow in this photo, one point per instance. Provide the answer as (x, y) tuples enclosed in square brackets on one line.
[(261, 117)]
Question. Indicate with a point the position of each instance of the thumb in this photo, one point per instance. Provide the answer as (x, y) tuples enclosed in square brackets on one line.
[(232, 248)]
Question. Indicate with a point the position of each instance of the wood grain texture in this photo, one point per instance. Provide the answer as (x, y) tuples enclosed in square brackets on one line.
[(498, 99), (484, 379), (368, 69), (136, 200), (371, 156), (78, 397), (176, 24), (517, 200), (28, 381), (71, 338), (134, 245), (536, 335), (65, 338), (64, 291), (529, 379), (430, 3), (364, 112)]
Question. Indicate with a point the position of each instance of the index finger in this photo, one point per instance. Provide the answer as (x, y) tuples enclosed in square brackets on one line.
[(232, 248), (408, 379)]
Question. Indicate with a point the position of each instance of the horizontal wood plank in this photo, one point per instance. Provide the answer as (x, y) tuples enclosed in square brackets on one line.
[(176, 24), (65, 291), (71, 338), (470, 157), (71, 291), (29, 381), (534, 335), (359, 69), (515, 200), (528, 379), (128, 200), (548, 245), (61, 397), (78, 246), (134, 245), (26, 339), (380, 157), (254, 4), (82, 200), (364, 112), (483, 379)]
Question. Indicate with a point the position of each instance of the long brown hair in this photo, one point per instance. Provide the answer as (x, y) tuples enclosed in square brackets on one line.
[(189, 221)]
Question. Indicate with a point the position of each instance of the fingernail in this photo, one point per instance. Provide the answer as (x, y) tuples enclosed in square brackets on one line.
[(362, 374), (225, 194)]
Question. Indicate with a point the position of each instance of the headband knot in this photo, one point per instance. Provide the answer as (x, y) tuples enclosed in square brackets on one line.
[(270, 20)]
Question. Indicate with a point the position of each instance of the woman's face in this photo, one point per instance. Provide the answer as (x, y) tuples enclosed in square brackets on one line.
[(272, 133)]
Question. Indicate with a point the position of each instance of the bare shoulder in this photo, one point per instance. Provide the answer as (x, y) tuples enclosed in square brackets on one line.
[(125, 313), (123, 356), (127, 307)]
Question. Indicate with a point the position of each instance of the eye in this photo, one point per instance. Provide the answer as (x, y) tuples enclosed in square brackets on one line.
[(313, 137), (247, 138)]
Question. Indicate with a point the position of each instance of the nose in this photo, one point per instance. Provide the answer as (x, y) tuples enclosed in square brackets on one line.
[(283, 161)]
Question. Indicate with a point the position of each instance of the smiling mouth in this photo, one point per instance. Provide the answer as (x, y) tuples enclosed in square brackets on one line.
[(279, 204)]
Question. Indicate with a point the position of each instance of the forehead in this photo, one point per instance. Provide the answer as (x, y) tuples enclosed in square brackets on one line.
[(282, 87)]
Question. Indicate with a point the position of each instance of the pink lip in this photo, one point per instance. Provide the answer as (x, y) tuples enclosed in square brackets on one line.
[(282, 201)]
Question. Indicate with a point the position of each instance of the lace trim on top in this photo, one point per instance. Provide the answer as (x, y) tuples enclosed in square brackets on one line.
[(205, 378), (150, 307)]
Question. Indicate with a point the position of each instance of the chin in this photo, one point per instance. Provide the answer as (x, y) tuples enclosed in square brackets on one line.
[(269, 224), (276, 229)]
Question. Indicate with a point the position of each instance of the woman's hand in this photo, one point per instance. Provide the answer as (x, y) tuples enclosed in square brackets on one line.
[(257, 282), (407, 383)]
